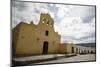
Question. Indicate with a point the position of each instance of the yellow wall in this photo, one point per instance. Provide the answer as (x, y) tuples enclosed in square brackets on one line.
[(67, 48), (31, 37), (62, 48)]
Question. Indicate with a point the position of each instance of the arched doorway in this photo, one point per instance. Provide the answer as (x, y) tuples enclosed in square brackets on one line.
[(72, 49), (45, 47), (77, 51)]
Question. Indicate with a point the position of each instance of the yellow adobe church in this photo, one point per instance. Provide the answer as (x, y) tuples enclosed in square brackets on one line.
[(31, 39)]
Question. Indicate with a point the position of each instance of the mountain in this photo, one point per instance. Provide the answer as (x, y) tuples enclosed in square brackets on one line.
[(87, 44)]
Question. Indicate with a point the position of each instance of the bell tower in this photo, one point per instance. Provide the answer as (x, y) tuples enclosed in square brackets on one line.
[(46, 19)]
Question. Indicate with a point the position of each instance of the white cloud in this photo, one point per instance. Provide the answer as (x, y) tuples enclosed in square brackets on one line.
[(74, 27), (62, 10)]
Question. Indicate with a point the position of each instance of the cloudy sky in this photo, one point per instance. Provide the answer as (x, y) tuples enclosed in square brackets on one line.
[(75, 23)]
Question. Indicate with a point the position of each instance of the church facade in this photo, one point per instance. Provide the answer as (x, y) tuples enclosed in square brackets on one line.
[(31, 39)]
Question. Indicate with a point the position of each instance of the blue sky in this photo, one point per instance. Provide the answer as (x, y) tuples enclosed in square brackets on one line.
[(75, 23)]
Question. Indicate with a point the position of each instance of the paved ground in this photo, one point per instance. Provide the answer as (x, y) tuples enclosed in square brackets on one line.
[(38, 57), (52, 58), (88, 57)]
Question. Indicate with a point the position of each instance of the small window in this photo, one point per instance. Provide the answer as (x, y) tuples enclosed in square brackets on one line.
[(46, 33)]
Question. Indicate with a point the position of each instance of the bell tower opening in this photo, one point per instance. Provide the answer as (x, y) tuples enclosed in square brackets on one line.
[(46, 19)]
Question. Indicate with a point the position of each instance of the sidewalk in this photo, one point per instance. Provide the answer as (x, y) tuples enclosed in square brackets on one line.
[(39, 58)]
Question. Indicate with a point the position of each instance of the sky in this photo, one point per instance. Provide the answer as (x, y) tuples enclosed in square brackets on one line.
[(74, 23)]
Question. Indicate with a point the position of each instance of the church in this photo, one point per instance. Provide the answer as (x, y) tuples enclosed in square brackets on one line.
[(31, 39)]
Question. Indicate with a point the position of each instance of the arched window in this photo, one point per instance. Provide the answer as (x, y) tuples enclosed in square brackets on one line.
[(46, 33)]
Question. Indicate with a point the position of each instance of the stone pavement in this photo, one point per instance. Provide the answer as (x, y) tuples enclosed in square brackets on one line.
[(38, 58), (78, 58)]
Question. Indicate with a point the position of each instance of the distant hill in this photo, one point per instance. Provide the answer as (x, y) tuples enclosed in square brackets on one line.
[(87, 44)]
